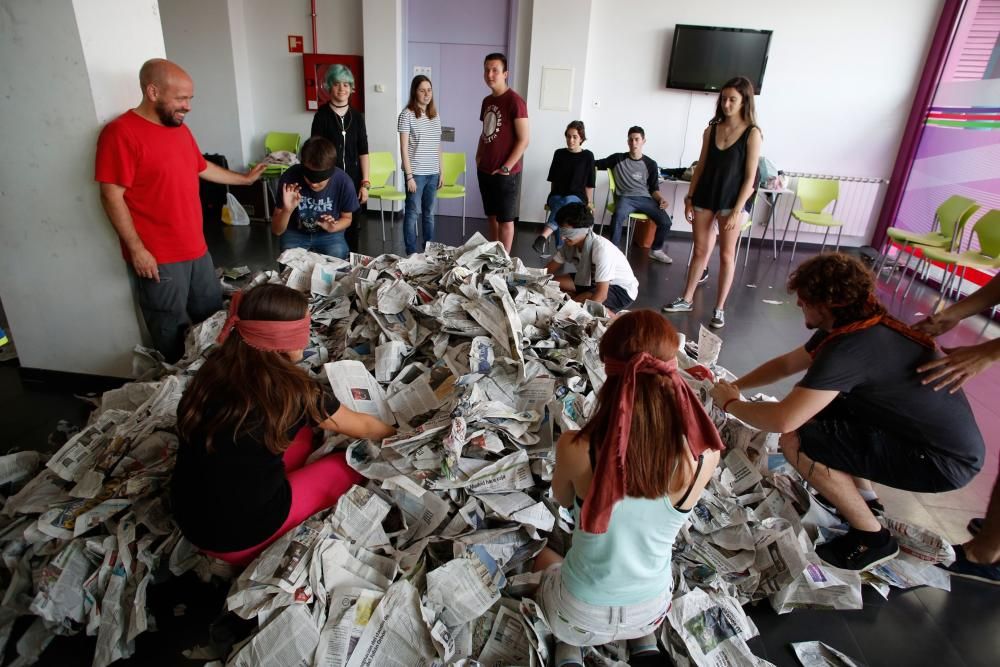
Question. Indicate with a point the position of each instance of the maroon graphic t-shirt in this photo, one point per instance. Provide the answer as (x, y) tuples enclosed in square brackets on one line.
[(498, 137)]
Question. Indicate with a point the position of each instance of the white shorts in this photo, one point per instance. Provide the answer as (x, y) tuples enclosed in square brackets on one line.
[(577, 623)]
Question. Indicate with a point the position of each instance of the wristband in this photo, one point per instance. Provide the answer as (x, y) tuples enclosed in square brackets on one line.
[(366, 184), (725, 406)]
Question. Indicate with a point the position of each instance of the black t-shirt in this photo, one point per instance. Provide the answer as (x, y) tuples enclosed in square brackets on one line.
[(875, 370), (236, 496), (572, 173), (337, 197), (348, 134)]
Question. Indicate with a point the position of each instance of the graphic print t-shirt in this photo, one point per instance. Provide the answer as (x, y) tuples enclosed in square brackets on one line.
[(498, 137), (338, 196)]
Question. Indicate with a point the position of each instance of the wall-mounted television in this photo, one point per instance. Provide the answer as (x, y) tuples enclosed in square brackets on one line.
[(704, 57)]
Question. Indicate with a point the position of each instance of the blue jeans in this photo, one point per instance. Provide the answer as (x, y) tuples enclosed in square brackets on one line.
[(326, 243), (555, 203), (420, 204), (626, 205)]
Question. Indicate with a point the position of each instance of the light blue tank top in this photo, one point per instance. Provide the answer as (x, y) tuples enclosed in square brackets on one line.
[(630, 563)]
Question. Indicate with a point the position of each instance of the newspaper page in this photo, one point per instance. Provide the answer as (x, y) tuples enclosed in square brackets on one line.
[(395, 635), (358, 517), (464, 588), (819, 586), (508, 642), (71, 460), (510, 473), (818, 654), (289, 639), (355, 388), (17, 466), (350, 611), (714, 629)]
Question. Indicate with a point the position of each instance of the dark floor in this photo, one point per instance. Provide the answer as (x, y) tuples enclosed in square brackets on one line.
[(916, 627)]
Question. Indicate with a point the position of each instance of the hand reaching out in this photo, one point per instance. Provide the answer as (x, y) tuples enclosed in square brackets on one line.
[(936, 324), (291, 195), (327, 222), (959, 365)]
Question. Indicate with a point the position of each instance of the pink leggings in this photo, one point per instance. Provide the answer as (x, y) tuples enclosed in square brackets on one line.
[(315, 487)]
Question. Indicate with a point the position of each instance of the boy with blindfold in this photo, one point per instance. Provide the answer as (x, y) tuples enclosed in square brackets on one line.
[(315, 202), (602, 273)]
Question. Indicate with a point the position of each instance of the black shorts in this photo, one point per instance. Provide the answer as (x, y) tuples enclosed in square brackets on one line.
[(845, 441), (500, 195), (617, 299)]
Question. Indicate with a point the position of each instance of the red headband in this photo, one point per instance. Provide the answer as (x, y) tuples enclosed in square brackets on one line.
[(608, 484), (267, 335)]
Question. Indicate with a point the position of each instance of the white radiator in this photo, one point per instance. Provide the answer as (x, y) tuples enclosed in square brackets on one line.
[(857, 207)]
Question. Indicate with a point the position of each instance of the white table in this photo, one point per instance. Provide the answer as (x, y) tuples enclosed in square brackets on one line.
[(773, 197)]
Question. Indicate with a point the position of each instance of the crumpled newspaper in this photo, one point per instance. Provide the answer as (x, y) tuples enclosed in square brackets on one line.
[(481, 362)]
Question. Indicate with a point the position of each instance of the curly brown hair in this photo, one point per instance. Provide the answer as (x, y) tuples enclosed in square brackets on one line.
[(838, 281)]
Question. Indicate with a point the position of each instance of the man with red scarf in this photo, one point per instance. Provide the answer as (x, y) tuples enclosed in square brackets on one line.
[(860, 414)]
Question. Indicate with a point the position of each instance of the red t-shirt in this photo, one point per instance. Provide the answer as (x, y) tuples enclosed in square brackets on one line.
[(498, 137), (158, 166)]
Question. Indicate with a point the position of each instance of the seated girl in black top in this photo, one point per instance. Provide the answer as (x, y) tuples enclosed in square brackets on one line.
[(573, 177), (246, 428)]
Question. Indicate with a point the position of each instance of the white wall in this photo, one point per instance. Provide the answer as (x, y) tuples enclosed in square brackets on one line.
[(276, 80), (64, 284), (838, 85), (383, 53), (548, 17), (197, 37)]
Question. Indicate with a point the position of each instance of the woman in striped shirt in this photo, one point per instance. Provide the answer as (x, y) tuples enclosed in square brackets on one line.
[(420, 145)]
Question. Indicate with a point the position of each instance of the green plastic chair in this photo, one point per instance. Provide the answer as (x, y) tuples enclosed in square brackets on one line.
[(381, 168), (815, 195), (949, 223), (279, 141), (453, 166), (987, 230), (609, 207)]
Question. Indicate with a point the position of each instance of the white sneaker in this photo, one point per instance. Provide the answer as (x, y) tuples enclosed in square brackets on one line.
[(660, 256)]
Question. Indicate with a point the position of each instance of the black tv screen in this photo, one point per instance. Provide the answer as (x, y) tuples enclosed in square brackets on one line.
[(705, 57)]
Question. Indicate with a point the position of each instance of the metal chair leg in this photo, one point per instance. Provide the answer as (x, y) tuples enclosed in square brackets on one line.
[(796, 243), (746, 252), (913, 278), (464, 197), (840, 230), (825, 234), (882, 256), (381, 215), (788, 221), (945, 282), (903, 273)]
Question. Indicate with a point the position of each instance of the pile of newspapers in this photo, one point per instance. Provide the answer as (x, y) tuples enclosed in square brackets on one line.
[(481, 362)]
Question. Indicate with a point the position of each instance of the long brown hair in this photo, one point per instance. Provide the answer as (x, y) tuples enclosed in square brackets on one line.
[(248, 388), (741, 85), (412, 104), (656, 440)]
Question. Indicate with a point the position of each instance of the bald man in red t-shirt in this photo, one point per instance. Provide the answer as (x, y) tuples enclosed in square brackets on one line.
[(148, 164)]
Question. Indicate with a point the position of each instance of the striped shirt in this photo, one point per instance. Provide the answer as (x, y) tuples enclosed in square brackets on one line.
[(424, 141)]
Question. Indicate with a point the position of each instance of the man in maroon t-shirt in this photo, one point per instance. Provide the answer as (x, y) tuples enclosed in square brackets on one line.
[(148, 165), (501, 145)]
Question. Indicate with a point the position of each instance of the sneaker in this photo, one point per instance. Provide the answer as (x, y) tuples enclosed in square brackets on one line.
[(965, 568), (678, 305), (541, 245), (660, 256), (849, 552), (718, 319), (877, 508), (704, 276), (975, 525)]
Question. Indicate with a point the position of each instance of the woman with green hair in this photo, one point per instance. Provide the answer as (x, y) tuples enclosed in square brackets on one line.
[(345, 127)]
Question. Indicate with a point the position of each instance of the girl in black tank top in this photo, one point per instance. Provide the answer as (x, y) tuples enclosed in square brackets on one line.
[(721, 192)]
